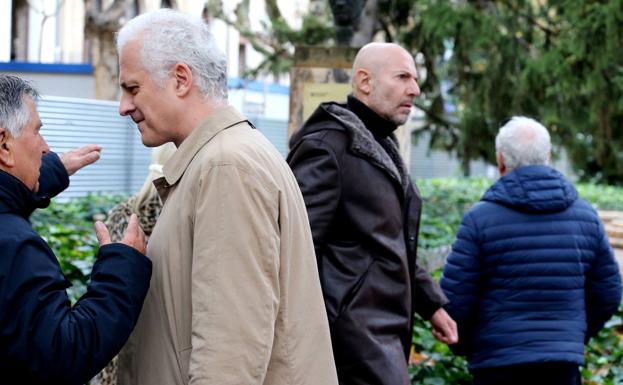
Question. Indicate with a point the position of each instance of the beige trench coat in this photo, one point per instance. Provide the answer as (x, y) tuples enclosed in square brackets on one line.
[(235, 296)]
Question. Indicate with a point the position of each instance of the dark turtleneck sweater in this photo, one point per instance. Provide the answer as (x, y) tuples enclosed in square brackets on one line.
[(377, 125), (382, 130)]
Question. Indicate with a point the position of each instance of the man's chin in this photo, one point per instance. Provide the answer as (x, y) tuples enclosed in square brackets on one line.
[(151, 142), (147, 141), (399, 120)]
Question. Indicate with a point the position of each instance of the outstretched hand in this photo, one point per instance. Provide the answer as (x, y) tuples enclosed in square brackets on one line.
[(80, 157), (444, 327), (133, 236)]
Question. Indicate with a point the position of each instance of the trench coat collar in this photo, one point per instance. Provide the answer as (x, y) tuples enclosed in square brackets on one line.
[(220, 119)]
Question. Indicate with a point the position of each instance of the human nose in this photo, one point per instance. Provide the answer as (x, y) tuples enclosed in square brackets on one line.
[(125, 104), (44, 148), (414, 88)]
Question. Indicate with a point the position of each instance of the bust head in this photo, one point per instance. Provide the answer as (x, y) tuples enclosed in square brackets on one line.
[(345, 17), (346, 12)]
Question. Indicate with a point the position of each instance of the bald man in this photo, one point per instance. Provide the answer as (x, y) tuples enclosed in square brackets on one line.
[(364, 213)]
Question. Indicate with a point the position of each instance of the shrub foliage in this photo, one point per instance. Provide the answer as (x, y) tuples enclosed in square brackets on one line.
[(68, 228)]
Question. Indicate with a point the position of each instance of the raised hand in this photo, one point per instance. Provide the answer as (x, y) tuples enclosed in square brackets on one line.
[(80, 157)]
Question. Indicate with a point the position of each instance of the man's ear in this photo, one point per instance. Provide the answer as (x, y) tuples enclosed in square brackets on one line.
[(7, 151), (183, 77), (363, 81), (500, 161)]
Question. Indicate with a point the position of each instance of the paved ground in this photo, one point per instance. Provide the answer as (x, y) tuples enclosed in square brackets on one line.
[(618, 253)]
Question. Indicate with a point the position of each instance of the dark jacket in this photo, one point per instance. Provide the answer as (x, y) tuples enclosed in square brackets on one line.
[(531, 275), (364, 213), (43, 339)]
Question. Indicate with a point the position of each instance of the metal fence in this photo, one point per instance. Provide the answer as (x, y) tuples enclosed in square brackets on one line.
[(432, 163), (275, 130), (69, 123)]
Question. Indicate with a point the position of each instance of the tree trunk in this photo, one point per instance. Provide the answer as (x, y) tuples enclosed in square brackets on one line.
[(100, 27)]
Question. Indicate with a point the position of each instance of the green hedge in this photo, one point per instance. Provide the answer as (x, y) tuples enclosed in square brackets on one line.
[(438, 366), (68, 228), (602, 197), (447, 199), (445, 202)]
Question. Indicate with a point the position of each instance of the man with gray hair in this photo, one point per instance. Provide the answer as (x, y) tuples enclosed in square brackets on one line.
[(43, 338), (235, 296), (531, 276)]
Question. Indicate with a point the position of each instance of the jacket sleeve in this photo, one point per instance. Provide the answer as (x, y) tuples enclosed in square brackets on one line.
[(53, 178), (235, 277), (317, 171), (603, 287), (460, 283), (50, 340), (428, 295)]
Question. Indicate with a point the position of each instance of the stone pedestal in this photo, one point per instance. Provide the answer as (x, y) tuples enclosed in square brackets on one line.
[(613, 224), (319, 74)]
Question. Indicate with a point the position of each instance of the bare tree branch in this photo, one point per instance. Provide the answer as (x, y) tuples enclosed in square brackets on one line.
[(110, 18)]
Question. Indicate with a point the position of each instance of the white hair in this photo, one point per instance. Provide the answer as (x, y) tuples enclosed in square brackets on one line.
[(169, 37), (14, 112), (523, 141)]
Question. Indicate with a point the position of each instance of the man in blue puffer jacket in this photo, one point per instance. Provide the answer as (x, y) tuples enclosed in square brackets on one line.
[(531, 276)]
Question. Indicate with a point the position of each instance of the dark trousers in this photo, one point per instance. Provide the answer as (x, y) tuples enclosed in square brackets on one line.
[(551, 373)]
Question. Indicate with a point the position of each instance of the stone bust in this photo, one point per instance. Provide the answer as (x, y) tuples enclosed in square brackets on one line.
[(346, 17)]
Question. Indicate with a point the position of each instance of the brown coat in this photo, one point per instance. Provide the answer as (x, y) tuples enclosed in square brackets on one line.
[(235, 296)]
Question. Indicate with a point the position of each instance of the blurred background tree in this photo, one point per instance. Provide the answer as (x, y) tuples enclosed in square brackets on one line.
[(277, 39), (555, 60), (101, 24), (482, 62)]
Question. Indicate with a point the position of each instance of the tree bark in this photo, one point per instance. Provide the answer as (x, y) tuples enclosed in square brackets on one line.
[(100, 27)]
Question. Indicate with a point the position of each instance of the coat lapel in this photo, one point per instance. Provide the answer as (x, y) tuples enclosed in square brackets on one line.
[(363, 143)]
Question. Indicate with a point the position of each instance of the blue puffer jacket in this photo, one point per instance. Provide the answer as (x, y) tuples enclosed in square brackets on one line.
[(531, 275)]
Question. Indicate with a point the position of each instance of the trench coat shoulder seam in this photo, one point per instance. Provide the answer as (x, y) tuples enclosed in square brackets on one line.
[(207, 170), (204, 134)]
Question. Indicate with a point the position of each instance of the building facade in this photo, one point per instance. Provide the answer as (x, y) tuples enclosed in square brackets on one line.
[(44, 40)]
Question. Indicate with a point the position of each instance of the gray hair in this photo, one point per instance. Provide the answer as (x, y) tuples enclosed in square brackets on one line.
[(523, 141), (169, 37), (14, 113)]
